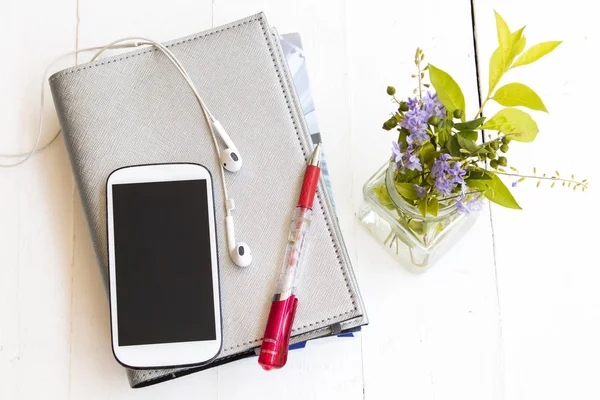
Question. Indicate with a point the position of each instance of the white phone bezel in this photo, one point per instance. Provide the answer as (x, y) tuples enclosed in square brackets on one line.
[(163, 354)]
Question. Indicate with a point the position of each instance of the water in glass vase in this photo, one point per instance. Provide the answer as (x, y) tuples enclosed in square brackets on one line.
[(416, 241)]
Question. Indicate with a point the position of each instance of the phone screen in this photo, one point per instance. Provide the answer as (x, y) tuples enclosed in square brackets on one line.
[(163, 264)]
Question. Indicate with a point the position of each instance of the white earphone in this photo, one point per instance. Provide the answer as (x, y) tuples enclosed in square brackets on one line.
[(230, 158)]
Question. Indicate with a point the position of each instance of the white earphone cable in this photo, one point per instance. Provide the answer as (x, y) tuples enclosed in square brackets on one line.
[(240, 253), (36, 147), (116, 44), (229, 205)]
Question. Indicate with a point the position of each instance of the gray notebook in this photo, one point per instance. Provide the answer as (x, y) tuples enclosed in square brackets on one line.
[(135, 108)]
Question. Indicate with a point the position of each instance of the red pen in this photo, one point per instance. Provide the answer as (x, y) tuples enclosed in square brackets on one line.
[(274, 349)]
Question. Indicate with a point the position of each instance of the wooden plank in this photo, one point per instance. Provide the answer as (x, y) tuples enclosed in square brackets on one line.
[(35, 208), (436, 334), (547, 269), (327, 368)]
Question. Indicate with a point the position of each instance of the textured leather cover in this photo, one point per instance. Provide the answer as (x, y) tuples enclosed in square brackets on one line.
[(135, 108)]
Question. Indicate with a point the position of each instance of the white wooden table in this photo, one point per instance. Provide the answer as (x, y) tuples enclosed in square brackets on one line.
[(511, 312)]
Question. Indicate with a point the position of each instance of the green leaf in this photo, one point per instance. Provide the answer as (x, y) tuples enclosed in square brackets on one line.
[(517, 44), (479, 174), (536, 52), (495, 190), (422, 206), (402, 137), (496, 69), (442, 124), (503, 35), (517, 94), (417, 226), (453, 146), (440, 131), (384, 197), (498, 64), (467, 144), (442, 137), (469, 125), (514, 122), (409, 176), (427, 153), (470, 146), (469, 135), (481, 150), (447, 90), (433, 206), (407, 190)]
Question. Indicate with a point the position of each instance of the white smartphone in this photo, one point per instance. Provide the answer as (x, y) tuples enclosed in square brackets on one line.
[(165, 306)]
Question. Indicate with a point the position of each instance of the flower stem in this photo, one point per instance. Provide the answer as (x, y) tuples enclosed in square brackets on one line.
[(481, 108), (458, 195), (420, 88), (548, 178), (390, 236)]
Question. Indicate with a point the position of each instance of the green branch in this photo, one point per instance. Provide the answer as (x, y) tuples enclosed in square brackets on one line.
[(459, 195), (582, 183)]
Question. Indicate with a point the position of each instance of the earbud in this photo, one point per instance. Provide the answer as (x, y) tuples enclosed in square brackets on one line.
[(240, 253), (230, 157)]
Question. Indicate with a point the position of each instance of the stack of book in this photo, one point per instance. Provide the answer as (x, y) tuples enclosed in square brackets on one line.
[(131, 109)]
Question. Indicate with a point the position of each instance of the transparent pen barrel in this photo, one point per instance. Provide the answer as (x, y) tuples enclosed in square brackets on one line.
[(290, 270)]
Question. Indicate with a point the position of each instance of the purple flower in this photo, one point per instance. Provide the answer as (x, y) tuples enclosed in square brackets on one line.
[(456, 173), (446, 176), (476, 204), (407, 159), (421, 191), (440, 112), (443, 185), (440, 166), (411, 162), (396, 152), (415, 121), (417, 136), (467, 203), (445, 156), (514, 184), (433, 106), (461, 207), (430, 100), (413, 104)]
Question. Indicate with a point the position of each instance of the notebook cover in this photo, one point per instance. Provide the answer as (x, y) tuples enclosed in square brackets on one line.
[(134, 108)]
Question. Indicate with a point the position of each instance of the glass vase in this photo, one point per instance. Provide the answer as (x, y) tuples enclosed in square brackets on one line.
[(416, 241)]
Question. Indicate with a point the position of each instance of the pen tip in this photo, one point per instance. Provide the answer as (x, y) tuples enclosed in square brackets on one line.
[(316, 157)]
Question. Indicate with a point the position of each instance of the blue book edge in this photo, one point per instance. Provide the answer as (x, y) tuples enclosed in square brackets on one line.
[(293, 51)]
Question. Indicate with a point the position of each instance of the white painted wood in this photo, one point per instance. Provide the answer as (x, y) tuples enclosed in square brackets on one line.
[(35, 209), (434, 335), (329, 368), (547, 267)]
